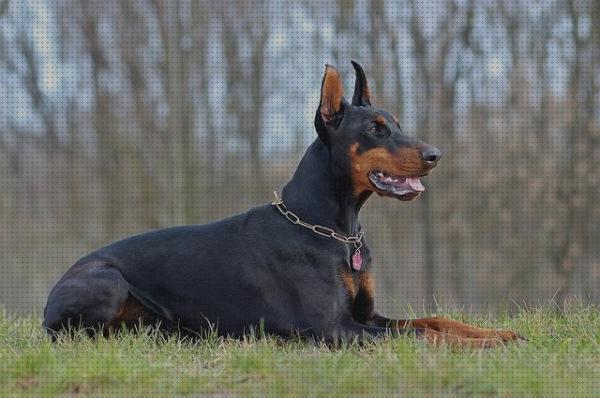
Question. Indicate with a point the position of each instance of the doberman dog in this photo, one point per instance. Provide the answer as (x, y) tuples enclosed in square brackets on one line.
[(299, 265)]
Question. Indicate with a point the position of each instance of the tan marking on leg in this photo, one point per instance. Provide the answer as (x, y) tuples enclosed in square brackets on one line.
[(348, 282), (444, 339), (460, 329), (130, 312), (366, 284)]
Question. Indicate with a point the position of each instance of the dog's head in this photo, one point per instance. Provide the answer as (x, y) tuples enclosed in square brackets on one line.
[(367, 144)]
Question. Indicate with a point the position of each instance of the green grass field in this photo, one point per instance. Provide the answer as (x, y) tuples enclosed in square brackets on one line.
[(561, 358)]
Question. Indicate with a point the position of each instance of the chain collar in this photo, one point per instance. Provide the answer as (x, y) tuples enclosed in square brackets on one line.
[(318, 229)]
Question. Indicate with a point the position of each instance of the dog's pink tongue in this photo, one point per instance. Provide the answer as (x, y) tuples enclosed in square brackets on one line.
[(415, 184)]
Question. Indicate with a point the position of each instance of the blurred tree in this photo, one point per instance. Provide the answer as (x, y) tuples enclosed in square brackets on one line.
[(124, 115)]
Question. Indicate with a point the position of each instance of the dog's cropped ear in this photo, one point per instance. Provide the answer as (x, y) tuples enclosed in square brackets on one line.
[(362, 95), (332, 96)]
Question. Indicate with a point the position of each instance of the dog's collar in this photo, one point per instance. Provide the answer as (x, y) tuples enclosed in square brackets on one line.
[(323, 231)]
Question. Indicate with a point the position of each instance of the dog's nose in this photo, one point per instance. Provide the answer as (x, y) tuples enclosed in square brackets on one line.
[(431, 154)]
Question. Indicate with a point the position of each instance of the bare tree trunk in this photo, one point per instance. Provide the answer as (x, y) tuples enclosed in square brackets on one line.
[(343, 26), (73, 180), (39, 101), (201, 16), (211, 190), (253, 118), (423, 125), (431, 59), (247, 78), (570, 252), (377, 37), (145, 161), (107, 154), (180, 116), (591, 283), (455, 234)]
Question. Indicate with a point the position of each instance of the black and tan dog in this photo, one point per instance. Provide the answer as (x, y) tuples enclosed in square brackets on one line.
[(297, 265)]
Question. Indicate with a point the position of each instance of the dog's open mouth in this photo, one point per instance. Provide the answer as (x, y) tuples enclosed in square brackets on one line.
[(403, 187)]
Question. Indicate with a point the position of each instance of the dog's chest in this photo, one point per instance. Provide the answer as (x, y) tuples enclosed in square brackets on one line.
[(348, 282), (351, 282)]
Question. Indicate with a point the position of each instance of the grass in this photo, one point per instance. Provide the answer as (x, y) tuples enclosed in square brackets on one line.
[(561, 358)]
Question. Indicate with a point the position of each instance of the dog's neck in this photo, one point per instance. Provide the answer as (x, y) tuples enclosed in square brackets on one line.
[(318, 196)]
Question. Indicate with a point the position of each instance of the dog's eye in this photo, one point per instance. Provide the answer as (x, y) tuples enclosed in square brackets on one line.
[(378, 131)]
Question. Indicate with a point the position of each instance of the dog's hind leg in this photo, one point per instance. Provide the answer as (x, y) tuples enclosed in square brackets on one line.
[(91, 295)]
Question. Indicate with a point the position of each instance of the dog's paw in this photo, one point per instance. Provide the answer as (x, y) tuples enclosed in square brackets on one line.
[(457, 342), (508, 335)]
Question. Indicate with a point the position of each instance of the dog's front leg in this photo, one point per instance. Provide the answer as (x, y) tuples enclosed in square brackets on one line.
[(446, 326), (327, 316), (354, 331), (434, 329)]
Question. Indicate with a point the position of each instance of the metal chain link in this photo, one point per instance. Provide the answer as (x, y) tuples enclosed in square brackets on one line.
[(318, 229)]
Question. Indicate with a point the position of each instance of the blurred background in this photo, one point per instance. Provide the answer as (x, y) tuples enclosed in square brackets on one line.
[(119, 116)]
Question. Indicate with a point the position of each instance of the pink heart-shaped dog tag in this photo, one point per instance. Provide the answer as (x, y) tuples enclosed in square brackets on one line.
[(357, 261)]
